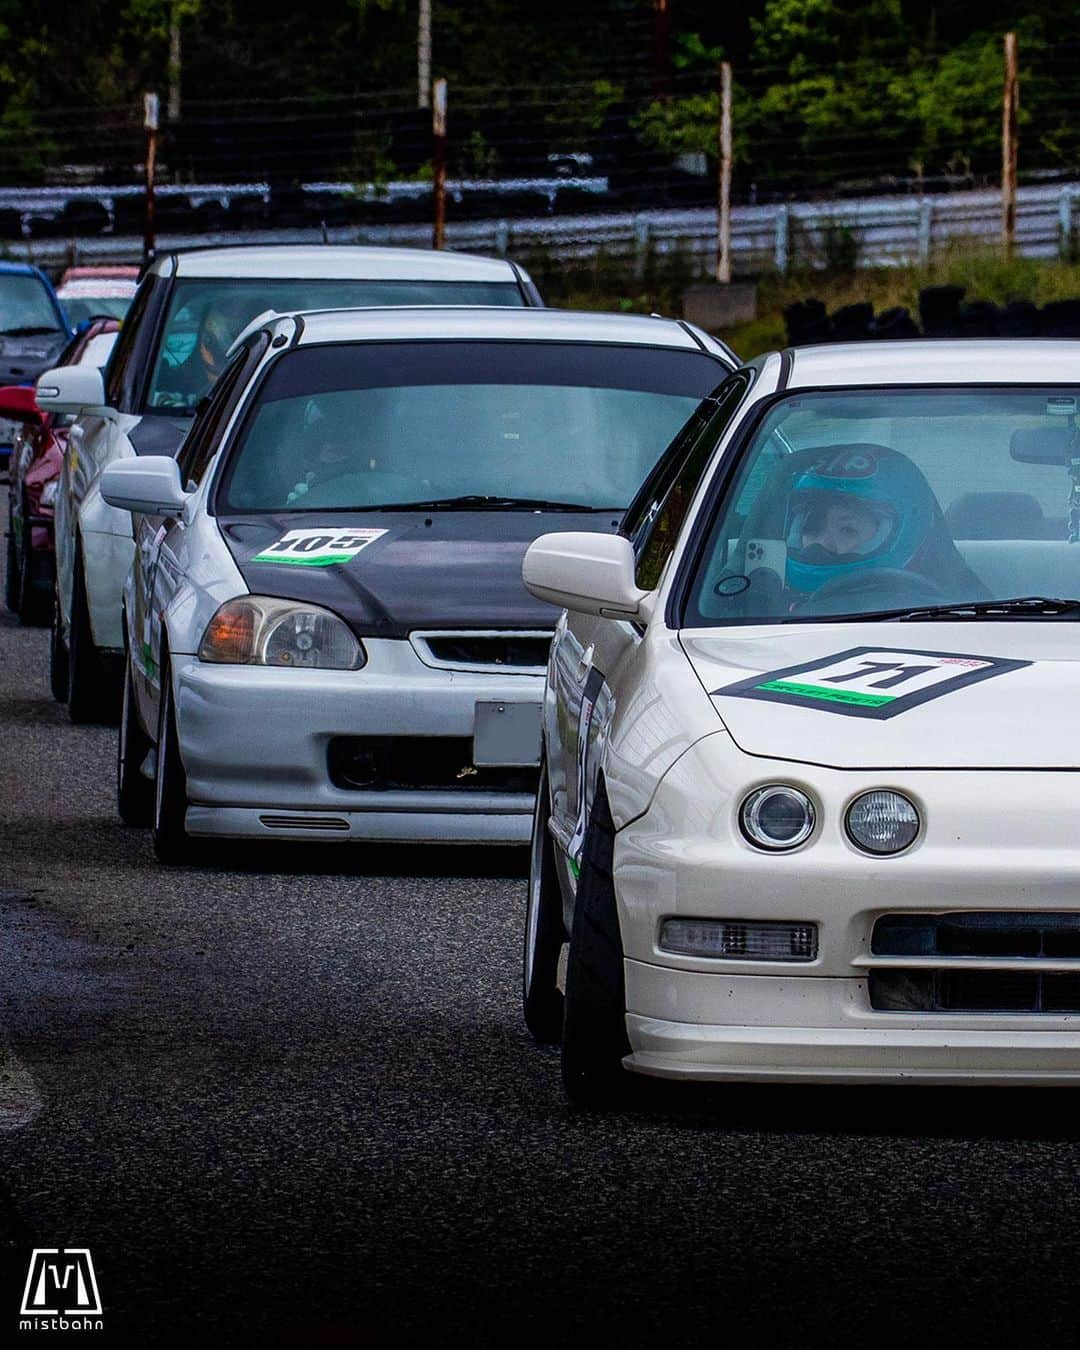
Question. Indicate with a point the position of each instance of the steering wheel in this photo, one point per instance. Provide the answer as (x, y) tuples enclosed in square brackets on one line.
[(885, 587)]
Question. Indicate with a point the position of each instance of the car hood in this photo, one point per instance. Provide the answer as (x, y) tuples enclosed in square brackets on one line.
[(898, 695), (388, 573), (23, 359)]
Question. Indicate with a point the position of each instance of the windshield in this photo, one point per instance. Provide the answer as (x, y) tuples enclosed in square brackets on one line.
[(82, 307), (26, 307), (206, 315), (858, 502), (348, 427)]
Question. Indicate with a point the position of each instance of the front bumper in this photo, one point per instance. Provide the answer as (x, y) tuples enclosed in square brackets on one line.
[(255, 744), (992, 843), (821, 1030)]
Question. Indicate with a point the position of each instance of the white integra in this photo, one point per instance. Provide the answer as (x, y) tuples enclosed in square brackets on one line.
[(808, 794)]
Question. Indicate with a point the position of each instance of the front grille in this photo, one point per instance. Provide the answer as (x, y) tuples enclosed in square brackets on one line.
[(1052, 936), (489, 650), (419, 763), (998, 935), (973, 991)]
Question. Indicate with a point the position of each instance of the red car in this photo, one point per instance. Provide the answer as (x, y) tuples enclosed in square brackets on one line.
[(37, 457)]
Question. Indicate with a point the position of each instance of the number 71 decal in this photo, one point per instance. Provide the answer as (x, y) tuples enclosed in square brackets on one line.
[(874, 682), (318, 547)]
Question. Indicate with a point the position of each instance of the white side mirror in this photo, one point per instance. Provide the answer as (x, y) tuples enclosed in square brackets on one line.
[(150, 484), (588, 573), (72, 389)]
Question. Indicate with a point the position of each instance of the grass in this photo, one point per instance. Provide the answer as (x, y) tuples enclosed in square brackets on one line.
[(608, 284)]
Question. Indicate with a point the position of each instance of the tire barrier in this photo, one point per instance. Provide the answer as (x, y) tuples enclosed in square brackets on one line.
[(943, 313)]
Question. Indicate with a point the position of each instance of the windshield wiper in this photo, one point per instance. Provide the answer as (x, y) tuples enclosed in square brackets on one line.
[(29, 330), (1024, 606), (476, 502)]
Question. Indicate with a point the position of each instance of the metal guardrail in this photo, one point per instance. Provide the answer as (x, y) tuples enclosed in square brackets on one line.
[(879, 231)]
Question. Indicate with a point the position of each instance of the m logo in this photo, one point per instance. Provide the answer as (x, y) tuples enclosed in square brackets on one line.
[(60, 1281)]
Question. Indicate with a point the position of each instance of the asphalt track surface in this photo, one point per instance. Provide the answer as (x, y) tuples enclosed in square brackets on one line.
[(288, 1100)]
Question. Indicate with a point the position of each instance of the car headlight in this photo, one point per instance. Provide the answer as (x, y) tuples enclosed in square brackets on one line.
[(777, 817), (882, 822), (48, 492), (257, 630)]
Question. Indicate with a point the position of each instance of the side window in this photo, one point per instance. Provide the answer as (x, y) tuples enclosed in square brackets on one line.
[(205, 434), (662, 510), (120, 373)]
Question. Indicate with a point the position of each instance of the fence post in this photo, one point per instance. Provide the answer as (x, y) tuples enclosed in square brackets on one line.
[(641, 246), (438, 127), (502, 238), (150, 125), (1065, 225), (926, 228), (723, 217), (1009, 131), (783, 236)]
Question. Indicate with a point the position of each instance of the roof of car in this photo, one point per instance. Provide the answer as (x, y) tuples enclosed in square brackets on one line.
[(20, 269), (335, 261), (501, 323), (937, 361)]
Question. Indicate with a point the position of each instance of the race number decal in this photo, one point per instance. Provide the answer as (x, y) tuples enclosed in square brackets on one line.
[(876, 682), (319, 547)]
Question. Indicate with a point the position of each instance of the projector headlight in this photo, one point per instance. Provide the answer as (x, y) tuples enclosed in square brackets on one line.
[(777, 817), (882, 822), (257, 630)]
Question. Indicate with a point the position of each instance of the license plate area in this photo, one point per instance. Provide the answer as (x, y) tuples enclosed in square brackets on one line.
[(506, 733)]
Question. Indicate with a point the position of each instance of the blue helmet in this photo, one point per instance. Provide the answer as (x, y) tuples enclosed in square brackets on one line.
[(876, 505)]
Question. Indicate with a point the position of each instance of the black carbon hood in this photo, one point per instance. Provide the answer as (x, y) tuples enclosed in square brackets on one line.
[(388, 573)]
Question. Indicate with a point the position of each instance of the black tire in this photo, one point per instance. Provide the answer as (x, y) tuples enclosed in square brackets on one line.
[(134, 793), (172, 843), (58, 656), (541, 997), (32, 607), (11, 568), (594, 1038), (91, 692)]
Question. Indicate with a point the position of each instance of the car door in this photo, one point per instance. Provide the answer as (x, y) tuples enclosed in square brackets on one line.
[(591, 653), (160, 560)]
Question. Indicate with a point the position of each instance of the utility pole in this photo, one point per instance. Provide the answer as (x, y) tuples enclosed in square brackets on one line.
[(1010, 112), (172, 107), (723, 230), (661, 48), (423, 56), (438, 161), (150, 125)]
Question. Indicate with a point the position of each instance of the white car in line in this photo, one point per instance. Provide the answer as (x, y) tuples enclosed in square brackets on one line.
[(327, 632), (808, 803), (189, 308)]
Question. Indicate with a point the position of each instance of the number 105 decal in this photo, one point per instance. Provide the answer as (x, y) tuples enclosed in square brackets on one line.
[(320, 547), (874, 682)]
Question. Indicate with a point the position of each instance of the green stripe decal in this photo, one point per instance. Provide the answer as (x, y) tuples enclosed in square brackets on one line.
[(827, 695), (302, 562), (574, 868)]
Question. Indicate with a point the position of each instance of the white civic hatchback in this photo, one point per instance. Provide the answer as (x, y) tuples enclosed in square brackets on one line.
[(809, 795), (326, 629)]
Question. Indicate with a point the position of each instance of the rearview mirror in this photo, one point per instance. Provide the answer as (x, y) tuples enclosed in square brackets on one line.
[(1042, 445), (71, 389), (587, 573), (150, 484), (18, 403)]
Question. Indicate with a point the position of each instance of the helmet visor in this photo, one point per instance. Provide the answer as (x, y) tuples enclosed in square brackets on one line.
[(828, 528)]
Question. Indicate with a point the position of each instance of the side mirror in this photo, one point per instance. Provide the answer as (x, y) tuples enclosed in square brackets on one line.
[(150, 484), (588, 573), (18, 403), (71, 389)]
